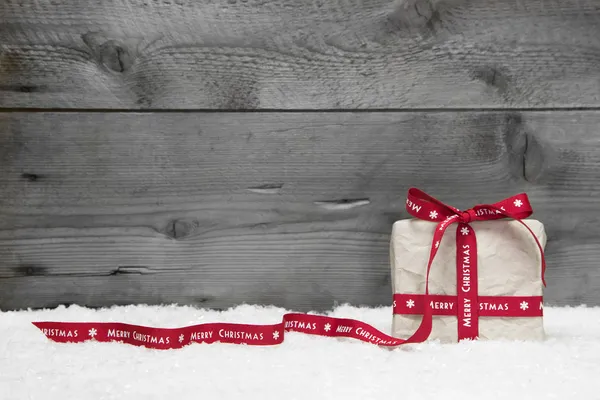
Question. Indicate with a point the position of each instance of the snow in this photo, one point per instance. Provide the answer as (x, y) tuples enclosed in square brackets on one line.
[(566, 365)]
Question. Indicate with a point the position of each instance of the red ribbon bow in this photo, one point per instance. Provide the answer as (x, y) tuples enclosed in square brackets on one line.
[(423, 206)]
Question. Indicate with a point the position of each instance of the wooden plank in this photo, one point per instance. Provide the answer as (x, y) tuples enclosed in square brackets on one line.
[(303, 271), (287, 54), (291, 209)]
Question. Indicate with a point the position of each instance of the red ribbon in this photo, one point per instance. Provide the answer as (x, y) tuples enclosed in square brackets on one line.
[(218, 332), (489, 306), (418, 204)]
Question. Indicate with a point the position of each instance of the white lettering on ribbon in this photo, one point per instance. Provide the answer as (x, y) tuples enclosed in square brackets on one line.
[(301, 325), (447, 221), (225, 334), (486, 211), (343, 329), (441, 305), (201, 335), (493, 306), (466, 286), (114, 333), (360, 332), (60, 332), (466, 280), (467, 313), (413, 206), (140, 337)]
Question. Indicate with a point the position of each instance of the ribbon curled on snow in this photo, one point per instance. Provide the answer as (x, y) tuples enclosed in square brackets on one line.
[(425, 207), (218, 332), (418, 204)]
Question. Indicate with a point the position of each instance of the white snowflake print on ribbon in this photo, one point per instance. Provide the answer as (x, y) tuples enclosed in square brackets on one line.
[(464, 230), (433, 215), (181, 337), (92, 332), (437, 244), (410, 303), (524, 305), (518, 203), (327, 327), (275, 335)]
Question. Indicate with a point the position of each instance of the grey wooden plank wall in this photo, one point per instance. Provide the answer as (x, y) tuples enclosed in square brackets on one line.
[(130, 173), (286, 54)]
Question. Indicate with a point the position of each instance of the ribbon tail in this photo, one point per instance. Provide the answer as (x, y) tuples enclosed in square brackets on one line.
[(541, 251), (424, 329)]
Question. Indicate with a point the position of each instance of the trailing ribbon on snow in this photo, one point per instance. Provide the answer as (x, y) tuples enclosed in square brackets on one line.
[(249, 334), (418, 204)]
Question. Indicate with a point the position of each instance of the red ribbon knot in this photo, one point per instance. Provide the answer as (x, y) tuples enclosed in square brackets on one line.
[(468, 216)]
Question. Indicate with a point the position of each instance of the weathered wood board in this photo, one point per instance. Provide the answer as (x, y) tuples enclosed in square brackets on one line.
[(289, 54), (290, 209)]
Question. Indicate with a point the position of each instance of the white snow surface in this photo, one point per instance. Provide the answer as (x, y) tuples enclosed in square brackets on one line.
[(566, 365)]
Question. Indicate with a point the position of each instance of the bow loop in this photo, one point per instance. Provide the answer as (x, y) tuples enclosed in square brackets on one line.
[(421, 205)]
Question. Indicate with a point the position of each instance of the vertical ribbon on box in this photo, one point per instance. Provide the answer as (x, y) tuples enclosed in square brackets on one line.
[(423, 206), (466, 282)]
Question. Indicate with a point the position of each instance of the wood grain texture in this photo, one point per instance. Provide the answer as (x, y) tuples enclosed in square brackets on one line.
[(288, 54), (290, 209)]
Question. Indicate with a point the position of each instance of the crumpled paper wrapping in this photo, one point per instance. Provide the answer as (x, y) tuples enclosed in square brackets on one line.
[(509, 264)]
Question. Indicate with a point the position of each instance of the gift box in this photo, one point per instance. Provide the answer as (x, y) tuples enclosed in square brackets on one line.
[(474, 274)]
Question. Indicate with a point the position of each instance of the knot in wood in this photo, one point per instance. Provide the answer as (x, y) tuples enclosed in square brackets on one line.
[(115, 56), (29, 177), (178, 229)]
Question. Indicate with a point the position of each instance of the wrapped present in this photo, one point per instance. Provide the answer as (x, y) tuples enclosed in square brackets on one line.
[(482, 280)]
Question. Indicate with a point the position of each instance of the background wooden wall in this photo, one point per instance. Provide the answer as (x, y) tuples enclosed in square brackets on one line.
[(131, 172)]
